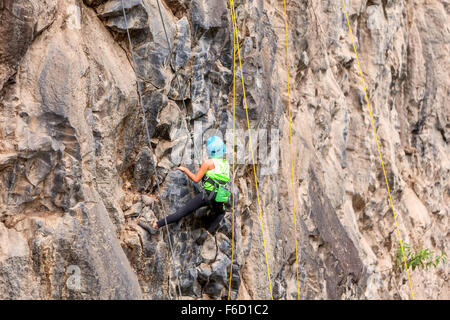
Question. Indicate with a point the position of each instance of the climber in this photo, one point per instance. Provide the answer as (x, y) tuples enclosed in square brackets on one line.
[(215, 173)]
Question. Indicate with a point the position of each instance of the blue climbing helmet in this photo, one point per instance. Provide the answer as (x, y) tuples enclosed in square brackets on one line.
[(215, 148)]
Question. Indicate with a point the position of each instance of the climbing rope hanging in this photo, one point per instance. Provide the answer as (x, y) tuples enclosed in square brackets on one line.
[(150, 146), (232, 184), (290, 146), (235, 31), (188, 119), (378, 146)]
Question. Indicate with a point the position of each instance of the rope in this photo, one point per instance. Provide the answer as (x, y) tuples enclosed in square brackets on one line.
[(290, 145), (150, 145), (250, 141), (232, 197), (178, 82), (378, 147)]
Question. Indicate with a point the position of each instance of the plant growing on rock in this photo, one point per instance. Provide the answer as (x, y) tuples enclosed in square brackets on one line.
[(422, 259)]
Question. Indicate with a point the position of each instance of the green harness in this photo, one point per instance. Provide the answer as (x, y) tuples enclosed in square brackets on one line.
[(216, 181)]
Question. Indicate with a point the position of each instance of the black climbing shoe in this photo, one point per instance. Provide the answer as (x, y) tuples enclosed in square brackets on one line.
[(147, 227)]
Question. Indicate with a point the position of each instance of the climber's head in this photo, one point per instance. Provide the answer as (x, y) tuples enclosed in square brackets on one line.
[(215, 148)]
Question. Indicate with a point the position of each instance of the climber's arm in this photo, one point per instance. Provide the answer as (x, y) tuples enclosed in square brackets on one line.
[(206, 165)]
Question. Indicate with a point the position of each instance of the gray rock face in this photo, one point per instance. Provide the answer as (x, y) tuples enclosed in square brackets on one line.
[(113, 8), (20, 23), (94, 3), (182, 50), (136, 15), (76, 170), (153, 102), (344, 259), (208, 14), (69, 247), (151, 63), (143, 169)]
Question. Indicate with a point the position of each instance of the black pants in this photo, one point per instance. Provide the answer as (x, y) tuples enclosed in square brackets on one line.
[(192, 205)]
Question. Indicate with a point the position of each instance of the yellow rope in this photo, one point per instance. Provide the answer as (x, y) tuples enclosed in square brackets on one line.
[(290, 145), (378, 147), (232, 171), (250, 141)]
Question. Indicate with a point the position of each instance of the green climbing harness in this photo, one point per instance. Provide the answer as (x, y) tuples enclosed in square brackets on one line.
[(216, 181)]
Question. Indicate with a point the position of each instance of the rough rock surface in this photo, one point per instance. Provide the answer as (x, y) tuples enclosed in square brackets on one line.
[(76, 171)]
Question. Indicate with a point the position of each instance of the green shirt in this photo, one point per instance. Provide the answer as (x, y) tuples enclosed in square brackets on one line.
[(220, 173)]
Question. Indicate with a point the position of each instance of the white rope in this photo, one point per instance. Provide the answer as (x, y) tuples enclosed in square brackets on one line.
[(178, 81), (149, 144)]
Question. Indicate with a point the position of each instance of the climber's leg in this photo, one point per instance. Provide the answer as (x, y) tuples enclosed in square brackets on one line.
[(192, 205), (219, 213)]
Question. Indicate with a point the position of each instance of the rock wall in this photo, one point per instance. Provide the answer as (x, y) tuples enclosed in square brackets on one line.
[(76, 170)]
